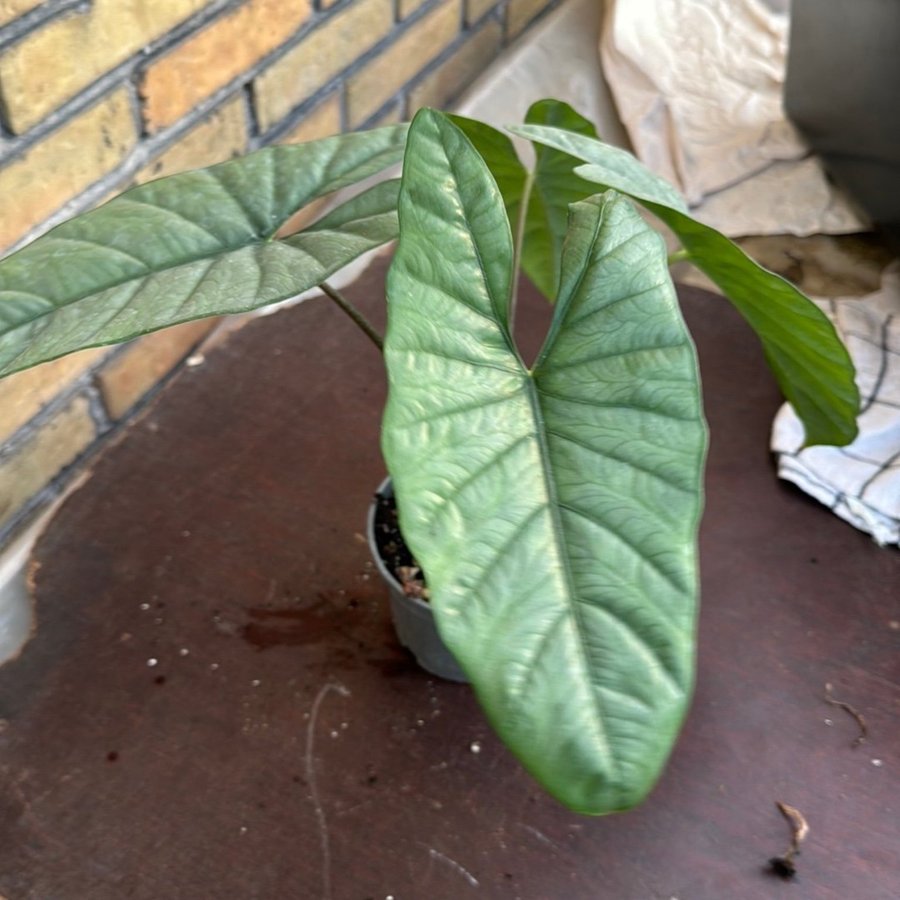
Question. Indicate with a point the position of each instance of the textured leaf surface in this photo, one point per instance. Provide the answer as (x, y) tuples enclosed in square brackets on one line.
[(811, 364), (193, 245), (554, 510)]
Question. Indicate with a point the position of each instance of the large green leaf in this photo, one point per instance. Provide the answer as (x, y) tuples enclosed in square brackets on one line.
[(555, 509), (811, 364), (194, 245)]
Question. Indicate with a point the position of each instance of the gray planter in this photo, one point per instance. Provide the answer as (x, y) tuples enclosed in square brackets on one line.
[(841, 92), (413, 618)]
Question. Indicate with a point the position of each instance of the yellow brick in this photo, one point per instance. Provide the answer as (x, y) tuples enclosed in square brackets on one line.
[(131, 374), (455, 73), (58, 60), (65, 163), (323, 121), (12, 9), (392, 116), (25, 394), (475, 9), (372, 87), (216, 55), (220, 136), (520, 13), (40, 459), (407, 7), (317, 59)]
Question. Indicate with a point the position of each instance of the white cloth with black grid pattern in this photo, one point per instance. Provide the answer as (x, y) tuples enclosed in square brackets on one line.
[(861, 482)]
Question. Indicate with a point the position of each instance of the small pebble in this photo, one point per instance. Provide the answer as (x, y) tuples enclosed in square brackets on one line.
[(475, 747), (152, 662), (183, 651), (256, 682), (828, 721), (214, 666), (877, 763), (145, 607)]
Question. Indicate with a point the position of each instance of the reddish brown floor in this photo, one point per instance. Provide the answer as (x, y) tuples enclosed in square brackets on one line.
[(283, 746)]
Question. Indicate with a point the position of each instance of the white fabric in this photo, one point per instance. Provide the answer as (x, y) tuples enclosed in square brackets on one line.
[(860, 483), (699, 86)]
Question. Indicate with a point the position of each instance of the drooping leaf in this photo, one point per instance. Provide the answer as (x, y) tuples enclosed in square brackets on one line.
[(621, 166), (554, 510), (811, 364), (192, 245), (555, 186)]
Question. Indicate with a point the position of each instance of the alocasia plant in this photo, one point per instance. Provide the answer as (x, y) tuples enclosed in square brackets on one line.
[(553, 507)]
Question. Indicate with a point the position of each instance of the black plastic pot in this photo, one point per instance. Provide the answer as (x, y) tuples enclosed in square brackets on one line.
[(413, 618)]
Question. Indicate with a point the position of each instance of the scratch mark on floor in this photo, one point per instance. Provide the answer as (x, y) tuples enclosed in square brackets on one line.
[(436, 854), (313, 787), (541, 836)]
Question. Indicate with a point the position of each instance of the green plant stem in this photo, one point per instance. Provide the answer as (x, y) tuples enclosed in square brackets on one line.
[(517, 246), (354, 314), (678, 256)]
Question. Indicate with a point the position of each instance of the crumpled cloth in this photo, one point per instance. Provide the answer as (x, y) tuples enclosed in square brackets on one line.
[(699, 86), (860, 483)]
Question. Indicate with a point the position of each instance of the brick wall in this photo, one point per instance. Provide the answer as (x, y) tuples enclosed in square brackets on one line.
[(97, 95)]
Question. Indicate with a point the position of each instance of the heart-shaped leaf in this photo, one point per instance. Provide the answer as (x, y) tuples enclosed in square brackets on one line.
[(811, 364), (193, 245), (554, 509)]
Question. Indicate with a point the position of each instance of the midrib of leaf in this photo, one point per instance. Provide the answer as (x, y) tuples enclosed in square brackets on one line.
[(574, 618), (329, 174), (570, 609), (140, 280)]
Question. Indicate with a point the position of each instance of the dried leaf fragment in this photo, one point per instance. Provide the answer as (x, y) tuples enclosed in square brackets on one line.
[(413, 582), (855, 714), (784, 865)]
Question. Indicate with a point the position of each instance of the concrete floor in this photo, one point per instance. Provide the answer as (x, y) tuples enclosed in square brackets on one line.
[(214, 704)]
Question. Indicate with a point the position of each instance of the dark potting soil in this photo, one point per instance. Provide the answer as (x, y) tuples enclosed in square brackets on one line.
[(393, 550)]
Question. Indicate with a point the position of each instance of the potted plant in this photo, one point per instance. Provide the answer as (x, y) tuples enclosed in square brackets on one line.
[(552, 507)]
